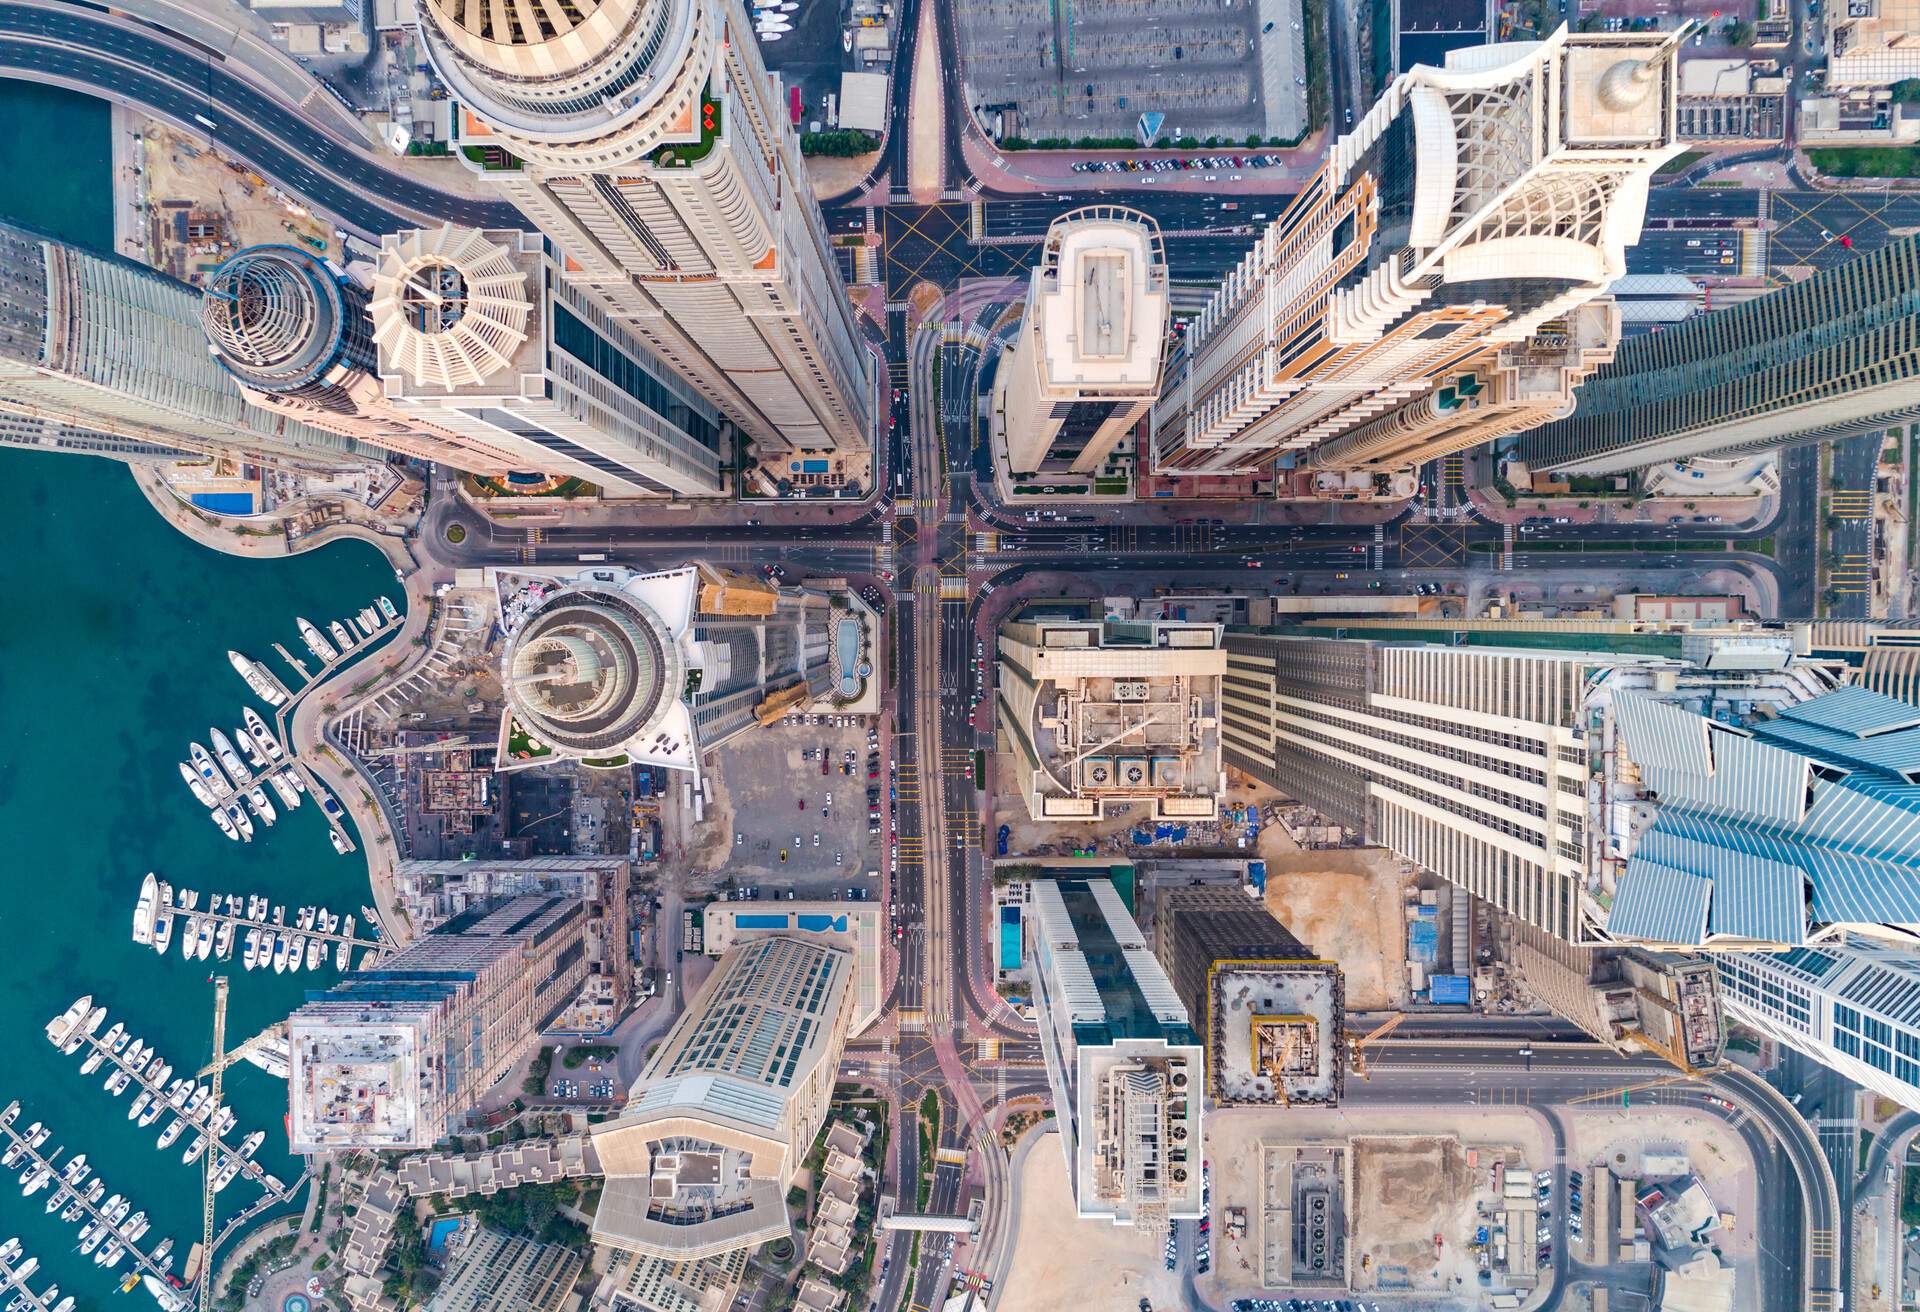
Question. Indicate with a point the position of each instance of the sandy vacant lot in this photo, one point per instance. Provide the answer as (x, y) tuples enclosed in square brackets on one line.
[(1064, 1262), (1347, 906)]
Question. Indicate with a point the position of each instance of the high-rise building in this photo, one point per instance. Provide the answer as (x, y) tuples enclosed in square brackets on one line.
[(640, 1282), (1440, 281), (647, 142), (1628, 998), (94, 344), (1854, 1008), (1677, 791), (609, 666), (1123, 1061), (1086, 365), (297, 337), (483, 334), (1832, 356), (393, 1057), (700, 1160), (1272, 1016), (1099, 713), (432, 892), (489, 1271)]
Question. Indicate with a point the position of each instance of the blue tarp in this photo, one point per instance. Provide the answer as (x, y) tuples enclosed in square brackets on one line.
[(1423, 940), (1257, 874), (1451, 991)]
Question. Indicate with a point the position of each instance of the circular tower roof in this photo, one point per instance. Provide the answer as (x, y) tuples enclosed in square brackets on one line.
[(450, 307), (591, 670), (276, 317)]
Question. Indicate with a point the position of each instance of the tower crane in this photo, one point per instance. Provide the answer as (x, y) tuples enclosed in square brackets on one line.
[(1357, 1044)]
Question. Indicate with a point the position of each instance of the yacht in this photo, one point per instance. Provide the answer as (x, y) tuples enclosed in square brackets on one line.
[(369, 622), (229, 759), (138, 1105), (152, 1113), (64, 1305), (262, 736), (115, 1039), (91, 1235), (143, 910), (250, 957), (296, 952), (305, 919), (9, 1250), (280, 954), (61, 1027), (257, 679), (316, 953), (194, 1149), (177, 1092), (209, 775), (26, 1268), (271, 1056), (38, 1134), (251, 1144), (225, 821), (117, 1082), (225, 1175), (203, 944), (250, 750), (345, 951), (163, 1295), (240, 821), (163, 928), (137, 1225), (76, 1170), (340, 635), (223, 1122), (289, 795), (386, 608), (198, 1101), (188, 898), (316, 642), (168, 1135), (299, 780), (189, 937), (75, 1210), (340, 843), (279, 915), (36, 1179), (223, 941), (257, 799), (110, 1256)]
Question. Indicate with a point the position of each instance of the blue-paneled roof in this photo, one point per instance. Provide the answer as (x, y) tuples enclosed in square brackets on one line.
[(1659, 904)]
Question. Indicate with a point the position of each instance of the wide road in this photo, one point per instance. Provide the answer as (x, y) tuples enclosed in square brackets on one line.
[(171, 78)]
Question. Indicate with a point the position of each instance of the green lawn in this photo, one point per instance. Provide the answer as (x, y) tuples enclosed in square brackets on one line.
[(1682, 162), (1867, 161)]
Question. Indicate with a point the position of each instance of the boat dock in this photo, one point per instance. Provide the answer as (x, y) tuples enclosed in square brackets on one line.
[(202, 1123), (29, 1153), (11, 1283), (277, 928), (298, 664)]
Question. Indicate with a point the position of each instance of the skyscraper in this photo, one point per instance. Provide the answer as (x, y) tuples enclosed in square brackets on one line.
[(94, 343), (1086, 365), (1440, 281), (297, 337), (482, 334), (1271, 1015), (1100, 713), (494, 1272), (699, 1161), (1676, 791), (1832, 356), (643, 137), (393, 1057), (611, 667), (1122, 1058)]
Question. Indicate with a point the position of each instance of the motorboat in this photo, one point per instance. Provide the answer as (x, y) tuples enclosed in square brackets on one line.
[(143, 908), (198, 1101), (369, 622), (203, 943), (151, 1114), (250, 750), (163, 927), (257, 679), (117, 1082), (316, 642), (257, 800), (289, 795), (340, 843), (297, 952), (386, 608), (37, 1179), (305, 919), (157, 1071), (223, 941), (262, 735), (110, 1256), (280, 954), (38, 1134), (316, 953), (251, 1144), (139, 1104), (91, 1236), (9, 1250), (344, 953), (171, 1133), (223, 1122), (341, 637), (194, 1149), (209, 773), (240, 821), (136, 1225), (26, 1268), (250, 955), (229, 759), (115, 1038), (67, 1024), (177, 1095)]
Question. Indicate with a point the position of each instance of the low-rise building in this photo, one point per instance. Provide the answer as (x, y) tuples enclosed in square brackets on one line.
[(1732, 100)]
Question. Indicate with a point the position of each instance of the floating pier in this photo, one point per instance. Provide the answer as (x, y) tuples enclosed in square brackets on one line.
[(142, 1259), (271, 921)]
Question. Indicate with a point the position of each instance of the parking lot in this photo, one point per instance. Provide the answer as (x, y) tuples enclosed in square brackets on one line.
[(770, 798)]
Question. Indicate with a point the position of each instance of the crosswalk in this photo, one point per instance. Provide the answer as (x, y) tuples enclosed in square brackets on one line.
[(1852, 574), (1851, 503), (1453, 470), (1122, 537), (1506, 546), (1379, 557)]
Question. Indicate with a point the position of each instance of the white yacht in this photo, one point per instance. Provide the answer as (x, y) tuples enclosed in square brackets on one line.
[(250, 956), (194, 1149), (341, 637), (369, 622), (172, 1132), (63, 1026), (203, 942), (163, 928), (257, 679), (316, 953), (240, 821), (296, 952), (262, 735), (344, 952), (257, 799), (340, 843), (305, 918), (223, 941), (289, 795), (229, 759), (143, 910), (280, 954), (201, 793), (138, 1105), (190, 937), (209, 774), (251, 1144), (316, 641)]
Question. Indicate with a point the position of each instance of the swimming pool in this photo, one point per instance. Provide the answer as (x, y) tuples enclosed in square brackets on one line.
[(441, 1231), (224, 503), (847, 643)]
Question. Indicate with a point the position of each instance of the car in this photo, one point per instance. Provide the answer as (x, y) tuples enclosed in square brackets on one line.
[(803, 804), (829, 799), (1543, 1177), (816, 840), (738, 838)]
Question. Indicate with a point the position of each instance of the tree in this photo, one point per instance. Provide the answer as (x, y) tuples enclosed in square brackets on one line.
[(1906, 90), (1739, 32)]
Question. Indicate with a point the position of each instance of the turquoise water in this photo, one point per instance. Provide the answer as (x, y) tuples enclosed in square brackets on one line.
[(113, 650)]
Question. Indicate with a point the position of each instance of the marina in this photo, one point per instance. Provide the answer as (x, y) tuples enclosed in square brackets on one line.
[(14, 1274), (138, 1066), (259, 930), (111, 1230)]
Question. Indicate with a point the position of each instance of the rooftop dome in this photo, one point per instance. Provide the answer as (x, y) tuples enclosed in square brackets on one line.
[(274, 315), (450, 307), (591, 670)]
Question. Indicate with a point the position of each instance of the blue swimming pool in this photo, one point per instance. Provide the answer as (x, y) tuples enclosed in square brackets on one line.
[(442, 1231), (224, 503)]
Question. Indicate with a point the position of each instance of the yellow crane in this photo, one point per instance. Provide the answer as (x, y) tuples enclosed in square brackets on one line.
[(1356, 1046), (1625, 1090), (210, 1159)]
